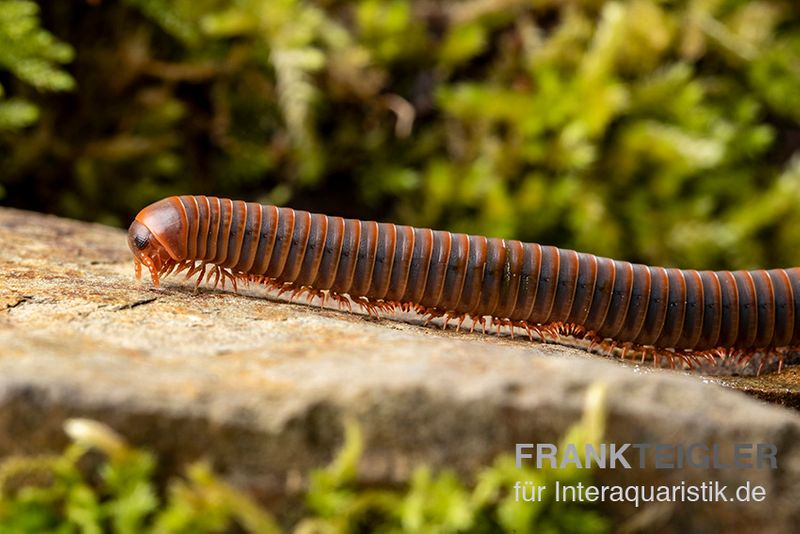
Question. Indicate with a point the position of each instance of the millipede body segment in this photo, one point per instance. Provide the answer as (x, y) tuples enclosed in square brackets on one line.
[(736, 320)]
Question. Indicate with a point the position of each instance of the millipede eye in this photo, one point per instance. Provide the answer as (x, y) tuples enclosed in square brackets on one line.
[(141, 241)]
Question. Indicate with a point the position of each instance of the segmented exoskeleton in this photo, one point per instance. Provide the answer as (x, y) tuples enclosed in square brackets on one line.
[(738, 320)]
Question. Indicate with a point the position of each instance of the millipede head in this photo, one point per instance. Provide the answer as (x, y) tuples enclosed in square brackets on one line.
[(157, 237), (148, 251)]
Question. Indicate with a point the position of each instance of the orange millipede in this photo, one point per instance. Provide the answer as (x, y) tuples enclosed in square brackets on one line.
[(717, 321)]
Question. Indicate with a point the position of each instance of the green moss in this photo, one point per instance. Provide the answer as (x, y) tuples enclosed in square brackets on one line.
[(118, 493), (652, 130), (32, 55)]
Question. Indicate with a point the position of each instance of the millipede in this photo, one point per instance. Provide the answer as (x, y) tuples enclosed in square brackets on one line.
[(735, 322)]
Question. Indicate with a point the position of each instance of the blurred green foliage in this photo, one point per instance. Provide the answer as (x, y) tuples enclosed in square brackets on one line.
[(58, 494), (32, 55), (662, 131), (443, 504), (119, 494)]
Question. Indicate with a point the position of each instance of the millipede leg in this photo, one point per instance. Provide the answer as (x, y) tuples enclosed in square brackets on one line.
[(446, 320), (761, 365), (152, 268), (527, 328)]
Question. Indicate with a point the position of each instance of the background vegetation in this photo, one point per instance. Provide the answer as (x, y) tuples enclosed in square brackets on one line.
[(117, 493), (662, 131)]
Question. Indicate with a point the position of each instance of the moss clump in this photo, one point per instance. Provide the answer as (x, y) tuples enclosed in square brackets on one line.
[(651, 130), (118, 493)]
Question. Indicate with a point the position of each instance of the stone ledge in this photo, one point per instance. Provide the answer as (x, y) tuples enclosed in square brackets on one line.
[(262, 387)]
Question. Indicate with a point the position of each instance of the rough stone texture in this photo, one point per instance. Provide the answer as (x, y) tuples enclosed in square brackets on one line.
[(261, 388), (777, 388)]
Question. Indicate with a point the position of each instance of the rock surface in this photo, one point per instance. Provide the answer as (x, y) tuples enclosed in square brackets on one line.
[(262, 388), (777, 388)]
